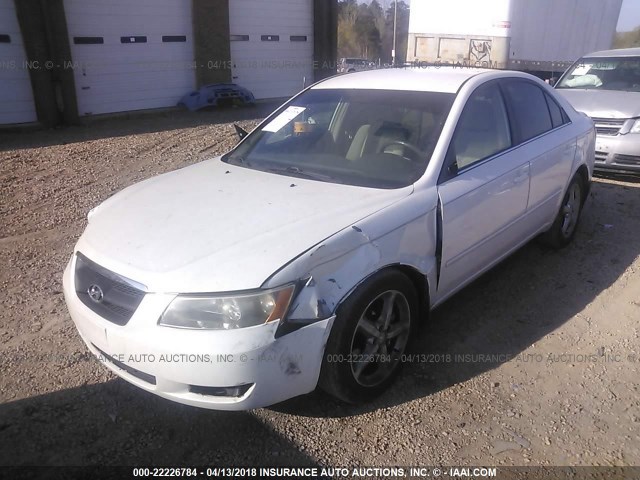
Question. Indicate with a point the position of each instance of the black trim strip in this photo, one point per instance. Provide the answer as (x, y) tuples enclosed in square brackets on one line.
[(88, 40), (174, 38), (239, 38), (298, 38), (439, 230), (4, 38)]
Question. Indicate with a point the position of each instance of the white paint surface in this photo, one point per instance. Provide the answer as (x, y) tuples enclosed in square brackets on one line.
[(460, 17), (16, 95), (562, 30), (272, 69), (115, 76), (539, 30)]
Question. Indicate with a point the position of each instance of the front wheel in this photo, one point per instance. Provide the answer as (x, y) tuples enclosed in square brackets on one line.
[(369, 337), (564, 227)]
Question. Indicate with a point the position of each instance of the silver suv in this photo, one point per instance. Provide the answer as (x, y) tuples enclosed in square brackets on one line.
[(606, 86), (349, 65)]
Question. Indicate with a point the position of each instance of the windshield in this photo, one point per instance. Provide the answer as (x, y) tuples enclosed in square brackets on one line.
[(373, 138), (622, 74)]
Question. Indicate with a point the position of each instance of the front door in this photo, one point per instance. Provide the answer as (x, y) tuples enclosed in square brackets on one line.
[(484, 195)]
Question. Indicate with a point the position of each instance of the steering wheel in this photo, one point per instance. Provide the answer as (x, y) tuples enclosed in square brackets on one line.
[(417, 154)]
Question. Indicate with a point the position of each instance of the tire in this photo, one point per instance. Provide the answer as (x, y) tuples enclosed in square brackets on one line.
[(370, 334), (564, 227)]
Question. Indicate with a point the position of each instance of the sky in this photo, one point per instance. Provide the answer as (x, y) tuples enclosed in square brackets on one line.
[(629, 15)]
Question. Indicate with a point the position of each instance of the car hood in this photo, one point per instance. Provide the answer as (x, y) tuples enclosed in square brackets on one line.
[(217, 227), (604, 103)]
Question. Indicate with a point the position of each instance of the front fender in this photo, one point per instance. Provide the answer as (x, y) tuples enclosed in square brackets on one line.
[(402, 234)]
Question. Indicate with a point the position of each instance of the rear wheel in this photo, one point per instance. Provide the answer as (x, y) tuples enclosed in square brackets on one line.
[(564, 227), (369, 337)]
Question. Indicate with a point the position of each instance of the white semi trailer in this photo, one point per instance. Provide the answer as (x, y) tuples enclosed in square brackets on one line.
[(540, 36)]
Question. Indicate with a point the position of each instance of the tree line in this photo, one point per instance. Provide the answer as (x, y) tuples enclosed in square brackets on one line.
[(627, 39), (366, 30)]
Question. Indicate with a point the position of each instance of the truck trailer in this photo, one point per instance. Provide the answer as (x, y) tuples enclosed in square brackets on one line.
[(543, 37)]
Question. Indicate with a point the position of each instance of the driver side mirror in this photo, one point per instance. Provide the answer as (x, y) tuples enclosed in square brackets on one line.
[(241, 132), (450, 168), (451, 160)]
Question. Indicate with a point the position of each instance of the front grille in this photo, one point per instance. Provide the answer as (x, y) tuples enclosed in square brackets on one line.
[(627, 160), (601, 156), (108, 294), (145, 377), (609, 127)]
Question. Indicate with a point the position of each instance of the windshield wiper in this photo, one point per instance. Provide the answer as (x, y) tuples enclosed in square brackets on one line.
[(238, 160), (298, 172)]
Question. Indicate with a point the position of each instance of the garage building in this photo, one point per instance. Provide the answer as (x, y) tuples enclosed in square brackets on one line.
[(77, 58), (16, 99)]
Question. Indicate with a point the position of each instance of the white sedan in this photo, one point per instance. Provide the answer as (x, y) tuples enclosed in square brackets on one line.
[(308, 254)]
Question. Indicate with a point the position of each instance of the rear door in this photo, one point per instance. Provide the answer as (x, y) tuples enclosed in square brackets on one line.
[(539, 127), (483, 190)]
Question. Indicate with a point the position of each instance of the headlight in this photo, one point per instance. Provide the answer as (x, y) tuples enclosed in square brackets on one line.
[(218, 312), (635, 128)]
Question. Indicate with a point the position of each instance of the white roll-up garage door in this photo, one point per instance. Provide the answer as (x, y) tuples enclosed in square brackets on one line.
[(16, 95), (130, 54), (272, 45)]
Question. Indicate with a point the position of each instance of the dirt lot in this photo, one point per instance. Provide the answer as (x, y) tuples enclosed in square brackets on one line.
[(539, 359)]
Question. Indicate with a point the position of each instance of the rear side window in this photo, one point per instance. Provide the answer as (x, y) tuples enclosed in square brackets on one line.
[(558, 117), (530, 112)]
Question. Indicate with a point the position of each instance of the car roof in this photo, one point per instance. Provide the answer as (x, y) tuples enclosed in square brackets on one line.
[(620, 52), (422, 79)]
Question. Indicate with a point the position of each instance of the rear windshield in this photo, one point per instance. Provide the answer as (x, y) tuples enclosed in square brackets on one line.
[(621, 74)]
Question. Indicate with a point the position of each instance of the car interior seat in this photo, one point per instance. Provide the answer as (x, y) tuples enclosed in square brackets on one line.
[(356, 149), (373, 138)]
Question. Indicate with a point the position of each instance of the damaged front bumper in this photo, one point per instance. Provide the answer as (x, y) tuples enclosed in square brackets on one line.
[(225, 370)]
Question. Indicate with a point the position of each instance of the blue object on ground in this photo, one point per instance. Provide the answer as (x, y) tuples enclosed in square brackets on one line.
[(216, 94)]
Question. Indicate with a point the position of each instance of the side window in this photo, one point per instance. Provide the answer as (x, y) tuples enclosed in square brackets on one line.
[(483, 128), (557, 117), (529, 106)]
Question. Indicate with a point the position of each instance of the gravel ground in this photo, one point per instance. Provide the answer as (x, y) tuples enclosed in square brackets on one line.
[(561, 388)]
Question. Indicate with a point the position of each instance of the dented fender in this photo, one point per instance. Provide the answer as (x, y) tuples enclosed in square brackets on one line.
[(332, 269)]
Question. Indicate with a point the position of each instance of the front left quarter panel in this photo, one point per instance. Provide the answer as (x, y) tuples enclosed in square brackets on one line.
[(401, 235)]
